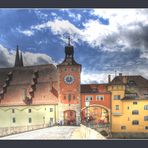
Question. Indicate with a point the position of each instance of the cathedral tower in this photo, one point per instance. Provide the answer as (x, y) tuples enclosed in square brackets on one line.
[(69, 88)]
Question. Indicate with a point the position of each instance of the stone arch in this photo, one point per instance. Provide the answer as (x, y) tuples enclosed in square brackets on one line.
[(96, 105)]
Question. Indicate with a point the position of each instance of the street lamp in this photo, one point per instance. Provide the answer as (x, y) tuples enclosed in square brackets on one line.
[(87, 116)]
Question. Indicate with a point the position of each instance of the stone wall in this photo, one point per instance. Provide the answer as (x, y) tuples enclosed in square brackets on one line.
[(129, 135), (84, 132), (19, 129)]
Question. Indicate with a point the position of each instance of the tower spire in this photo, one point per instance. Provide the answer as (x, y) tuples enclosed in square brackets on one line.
[(21, 60), (69, 40), (17, 57)]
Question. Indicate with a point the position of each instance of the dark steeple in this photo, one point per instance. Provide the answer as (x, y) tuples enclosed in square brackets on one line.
[(21, 60), (69, 55), (17, 57)]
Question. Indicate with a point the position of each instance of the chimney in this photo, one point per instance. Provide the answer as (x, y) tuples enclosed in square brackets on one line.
[(109, 78)]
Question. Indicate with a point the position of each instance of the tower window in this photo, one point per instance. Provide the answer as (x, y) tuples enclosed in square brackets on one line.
[(69, 97)]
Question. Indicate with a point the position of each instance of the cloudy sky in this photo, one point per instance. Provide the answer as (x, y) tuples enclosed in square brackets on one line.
[(104, 40)]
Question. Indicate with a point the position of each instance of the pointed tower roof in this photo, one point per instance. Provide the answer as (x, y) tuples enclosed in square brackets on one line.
[(69, 54), (17, 57), (21, 60)]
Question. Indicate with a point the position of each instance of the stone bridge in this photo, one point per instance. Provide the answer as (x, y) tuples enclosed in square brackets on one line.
[(58, 133)]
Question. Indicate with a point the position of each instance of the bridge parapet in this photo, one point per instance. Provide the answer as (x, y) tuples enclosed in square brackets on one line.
[(86, 133)]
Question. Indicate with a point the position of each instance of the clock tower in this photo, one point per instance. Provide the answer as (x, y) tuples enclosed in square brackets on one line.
[(69, 88)]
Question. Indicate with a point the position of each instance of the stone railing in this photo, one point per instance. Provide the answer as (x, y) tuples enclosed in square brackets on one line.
[(19, 129), (84, 132)]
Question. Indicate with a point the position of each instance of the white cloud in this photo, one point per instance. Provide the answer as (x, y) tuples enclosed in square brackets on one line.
[(125, 30), (7, 58), (26, 32)]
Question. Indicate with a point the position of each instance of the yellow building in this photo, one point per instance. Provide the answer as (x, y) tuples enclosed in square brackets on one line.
[(129, 106)]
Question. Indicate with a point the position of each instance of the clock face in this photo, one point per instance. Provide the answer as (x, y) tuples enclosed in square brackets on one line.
[(69, 79)]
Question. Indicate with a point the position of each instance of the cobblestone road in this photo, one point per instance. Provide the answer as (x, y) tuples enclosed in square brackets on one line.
[(54, 133)]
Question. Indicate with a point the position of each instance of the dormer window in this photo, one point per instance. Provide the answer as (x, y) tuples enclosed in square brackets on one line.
[(131, 83)]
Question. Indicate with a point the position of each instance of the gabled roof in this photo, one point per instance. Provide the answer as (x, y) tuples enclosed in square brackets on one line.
[(133, 80)]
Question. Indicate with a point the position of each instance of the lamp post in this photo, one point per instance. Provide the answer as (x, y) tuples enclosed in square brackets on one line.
[(87, 116)]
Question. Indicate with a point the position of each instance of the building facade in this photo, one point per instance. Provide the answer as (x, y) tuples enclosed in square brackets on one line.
[(39, 96), (129, 106)]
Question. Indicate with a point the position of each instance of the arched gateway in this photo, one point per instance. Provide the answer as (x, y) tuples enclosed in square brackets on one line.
[(70, 117), (95, 114)]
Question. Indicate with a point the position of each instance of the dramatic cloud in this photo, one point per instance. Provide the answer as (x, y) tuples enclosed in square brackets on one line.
[(7, 58), (104, 40)]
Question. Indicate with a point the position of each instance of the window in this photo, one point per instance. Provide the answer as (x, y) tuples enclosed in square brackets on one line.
[(145, 107), (146, 127), (51, 119), (146, 96), (145, 118), (73, 69), (116, 97), (135, 103), (135, 122), (51, 109), (69, 97), (131, 83), (74, 97), (117, 107), (88, 98), (128, 107), (100, 98), (123, 127), (64, 97), (135, 112), (13, 120), (13, 110), (29, 110), (29, 120)]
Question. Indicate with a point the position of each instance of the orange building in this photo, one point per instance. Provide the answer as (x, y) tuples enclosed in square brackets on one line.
[(95, 103)]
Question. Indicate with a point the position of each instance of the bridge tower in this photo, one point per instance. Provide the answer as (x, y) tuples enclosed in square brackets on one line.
[(69, 88)]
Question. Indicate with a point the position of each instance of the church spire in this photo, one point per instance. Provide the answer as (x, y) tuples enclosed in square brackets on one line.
[(21, 60), (17, 57)]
